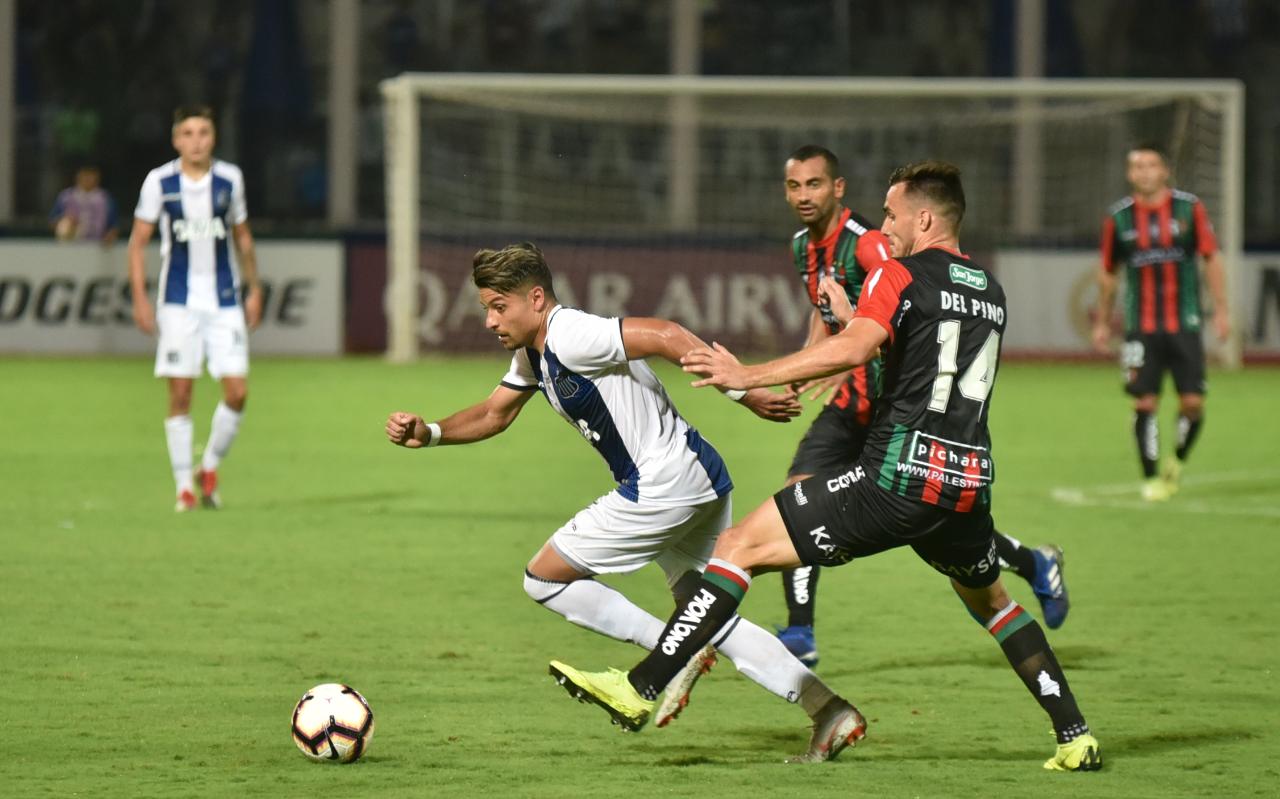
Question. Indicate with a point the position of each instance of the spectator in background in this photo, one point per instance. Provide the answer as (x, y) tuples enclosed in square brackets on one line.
[(85, 211)]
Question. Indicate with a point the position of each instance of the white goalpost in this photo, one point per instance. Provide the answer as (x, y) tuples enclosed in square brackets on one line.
[(675, 158)]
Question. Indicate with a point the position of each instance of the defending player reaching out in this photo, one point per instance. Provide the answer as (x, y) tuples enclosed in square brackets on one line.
[(673, 494), (198, 203), (827, 247), (1156, 234), (923, 479)]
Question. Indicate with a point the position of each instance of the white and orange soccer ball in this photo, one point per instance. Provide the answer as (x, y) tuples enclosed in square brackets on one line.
[(332, 723)]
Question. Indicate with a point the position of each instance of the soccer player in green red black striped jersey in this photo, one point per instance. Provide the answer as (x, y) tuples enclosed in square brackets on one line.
[(827, 247), (1158, 234), (923, 480), (824, 248)]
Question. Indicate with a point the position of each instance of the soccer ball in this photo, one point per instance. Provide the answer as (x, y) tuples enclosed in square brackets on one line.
[(332, 722)]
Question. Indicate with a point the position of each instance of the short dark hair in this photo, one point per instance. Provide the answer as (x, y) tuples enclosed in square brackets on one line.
[(817, 151), (938, 182), (1151, 147), (516, 266), (185, 112)]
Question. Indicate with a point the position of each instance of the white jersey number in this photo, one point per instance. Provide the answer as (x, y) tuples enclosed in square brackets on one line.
[(975, 383)]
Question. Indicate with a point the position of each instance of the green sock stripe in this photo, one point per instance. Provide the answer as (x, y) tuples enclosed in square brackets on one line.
[(1015, 624), (730, 587)]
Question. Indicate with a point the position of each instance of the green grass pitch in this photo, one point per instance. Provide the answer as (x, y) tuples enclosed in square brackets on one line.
[(146, 654)]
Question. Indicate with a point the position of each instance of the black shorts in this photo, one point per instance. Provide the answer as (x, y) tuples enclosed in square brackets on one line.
[(835, 517), (835, 439), (1146, 356)]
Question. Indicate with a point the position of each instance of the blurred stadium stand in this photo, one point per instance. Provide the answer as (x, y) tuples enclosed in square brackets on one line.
[(95, 81)]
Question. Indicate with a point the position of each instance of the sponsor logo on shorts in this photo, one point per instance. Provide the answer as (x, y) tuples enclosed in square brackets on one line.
[(983, 566), (821, 539), (801, 499), (845, 480), (688, 620)]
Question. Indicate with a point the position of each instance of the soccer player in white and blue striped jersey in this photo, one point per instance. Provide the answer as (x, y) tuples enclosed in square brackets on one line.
[(207, 253), (672, 497)]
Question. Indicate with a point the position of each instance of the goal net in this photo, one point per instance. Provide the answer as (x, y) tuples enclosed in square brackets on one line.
[(665, 194)]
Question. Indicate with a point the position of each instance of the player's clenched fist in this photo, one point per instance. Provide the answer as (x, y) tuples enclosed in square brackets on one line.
[(407, 430)]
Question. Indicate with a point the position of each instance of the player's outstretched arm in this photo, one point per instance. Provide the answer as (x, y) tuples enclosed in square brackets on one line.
[(482, 420), (144, 315), (646, 337), (813, 390), (853, 346)]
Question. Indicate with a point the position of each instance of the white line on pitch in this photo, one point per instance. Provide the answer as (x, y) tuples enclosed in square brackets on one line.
[(1108, 496), (1122, 489)]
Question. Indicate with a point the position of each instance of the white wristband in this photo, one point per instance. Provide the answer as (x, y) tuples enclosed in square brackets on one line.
[(435, 434), (735, 394)]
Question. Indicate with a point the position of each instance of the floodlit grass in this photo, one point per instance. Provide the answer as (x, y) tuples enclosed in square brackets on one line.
[(147, 654)]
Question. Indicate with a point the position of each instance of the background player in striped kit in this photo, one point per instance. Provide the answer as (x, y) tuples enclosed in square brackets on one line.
[(1156, 234), (198, 203), (826, 247)]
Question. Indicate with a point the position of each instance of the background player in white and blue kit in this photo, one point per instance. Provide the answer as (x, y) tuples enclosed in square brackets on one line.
[(673, 490), (207, 253)]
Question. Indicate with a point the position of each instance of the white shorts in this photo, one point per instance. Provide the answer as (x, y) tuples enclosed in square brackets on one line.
[(188, 338), (615, 536)]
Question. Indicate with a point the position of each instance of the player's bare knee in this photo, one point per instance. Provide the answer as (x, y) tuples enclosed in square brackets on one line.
[(179, 397), (1147, 404), (235, 396), (1191, 405), (985, 602), (742, 547)]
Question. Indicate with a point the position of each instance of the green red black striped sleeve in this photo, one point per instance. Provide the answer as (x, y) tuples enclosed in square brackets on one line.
[(882, 295)]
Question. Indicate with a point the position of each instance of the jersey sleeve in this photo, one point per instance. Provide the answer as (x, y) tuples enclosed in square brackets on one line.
[(592, 344), (872, 250), (1206, 239), (239, 211), (520, 376), (1109, 244), (149, 200), (882, 296)]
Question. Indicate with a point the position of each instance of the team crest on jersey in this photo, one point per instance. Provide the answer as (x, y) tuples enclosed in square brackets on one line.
[(221, 201), (967, 276), (566, 387)]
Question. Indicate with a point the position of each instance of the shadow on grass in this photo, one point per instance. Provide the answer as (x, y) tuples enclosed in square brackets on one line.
[(382, 502), (1075, 657), (1160, 742), (762, 744)]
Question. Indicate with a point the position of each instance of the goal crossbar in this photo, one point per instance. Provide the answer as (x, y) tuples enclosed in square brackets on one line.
[(404, 94)]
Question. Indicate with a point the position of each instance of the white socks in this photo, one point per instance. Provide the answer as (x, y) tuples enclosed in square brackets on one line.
[(178, 433), (759, 655), (222, 432), (597, 607)]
